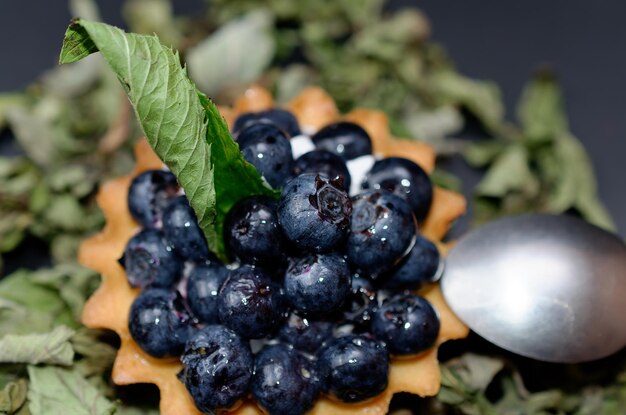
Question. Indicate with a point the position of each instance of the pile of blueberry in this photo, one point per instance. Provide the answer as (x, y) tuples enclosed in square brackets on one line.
[(320, 292)]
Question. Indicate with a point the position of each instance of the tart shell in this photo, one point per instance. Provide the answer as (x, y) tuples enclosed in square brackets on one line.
[(109, 306)]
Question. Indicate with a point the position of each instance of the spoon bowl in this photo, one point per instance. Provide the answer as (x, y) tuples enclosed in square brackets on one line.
[(548, 287)]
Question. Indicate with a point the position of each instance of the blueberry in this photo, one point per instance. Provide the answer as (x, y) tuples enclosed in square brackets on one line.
[(407, 323), (250, 303), (346, 139), (159, 322), (284, 382), (267, 147), (251, 231), (181, 229), (148, 195), (325, 163), (217, 368), (279, 117), (317, 284), (304, 334), (361, 303), (383, 230), (354, 368), (150, 261), (203, 286), (420, 266), (314, 213), (404, 178)]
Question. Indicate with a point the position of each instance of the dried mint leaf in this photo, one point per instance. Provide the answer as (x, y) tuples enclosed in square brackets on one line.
[(50, 348), (249, 45), (55, 390)]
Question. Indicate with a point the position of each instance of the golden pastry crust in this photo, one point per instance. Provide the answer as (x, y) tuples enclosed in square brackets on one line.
[(110, 304)]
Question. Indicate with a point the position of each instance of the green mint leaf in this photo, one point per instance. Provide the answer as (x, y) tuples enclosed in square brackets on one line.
[(55, 390), (52, 348), (182, 125)]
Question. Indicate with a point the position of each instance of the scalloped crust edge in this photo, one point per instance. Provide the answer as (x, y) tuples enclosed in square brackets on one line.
[(109, 306)]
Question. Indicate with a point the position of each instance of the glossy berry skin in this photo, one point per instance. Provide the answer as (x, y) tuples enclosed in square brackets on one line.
[(360, 304), (305, 334), (203, 286), (279, 117), (383, 230), (419, 267), (267, 148), (318, 284), (346, 139), (284, 382), (314, 213), (354, 368), (250, 303), (251, 231), (150, 261), (325, 163), (159, 322), (148, 195), (407, 323), (181, 229), (217, 368), (404, 178)]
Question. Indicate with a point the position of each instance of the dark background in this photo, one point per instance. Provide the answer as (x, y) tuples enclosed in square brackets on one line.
[(499, 40)]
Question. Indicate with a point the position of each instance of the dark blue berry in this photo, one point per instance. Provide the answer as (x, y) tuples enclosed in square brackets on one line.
[(420, 266), (407, 323), (251, 231), (317, 284), (404, 178), (203, 286), (267, 147), (354, 368), (148, 195), (284, 381), (325, 163), (346, 139), (181, 229), (281, 118), (361, 303), (383, 230), (250, 303), (159, 322), (150, 261), (217, 368), (314, 213), (304, 334)]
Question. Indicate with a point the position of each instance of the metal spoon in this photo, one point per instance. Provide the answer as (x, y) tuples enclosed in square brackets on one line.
[(549, 287)]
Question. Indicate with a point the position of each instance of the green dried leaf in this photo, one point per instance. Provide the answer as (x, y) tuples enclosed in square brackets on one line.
[(62, 213), (182, 125), (509, 173), (85, 9), (51, 348), (541, 111), (9, 101), (388, 39), (247, 42), (152, 16), (433, 126), (64, 392), (576, 186), (481, 98), (96, 357), (13, 398), (34, 134)]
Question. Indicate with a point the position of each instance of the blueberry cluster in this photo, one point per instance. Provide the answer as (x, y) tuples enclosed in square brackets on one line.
[(320, 292)]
